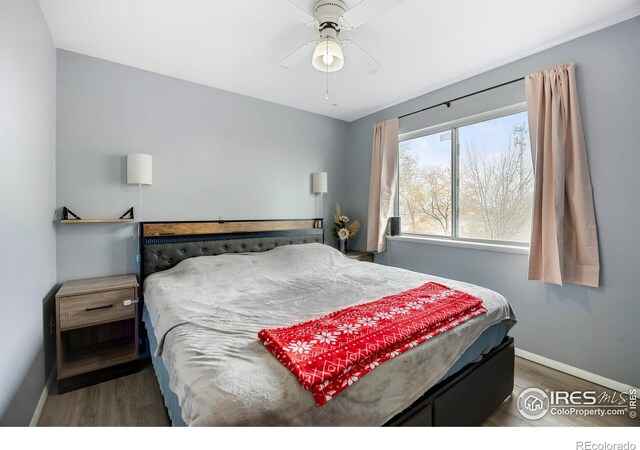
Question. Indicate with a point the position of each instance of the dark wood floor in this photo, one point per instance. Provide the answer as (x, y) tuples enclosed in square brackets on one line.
[(135, 400)]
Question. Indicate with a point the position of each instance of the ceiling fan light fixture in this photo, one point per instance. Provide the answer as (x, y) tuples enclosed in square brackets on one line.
[(328, 56)]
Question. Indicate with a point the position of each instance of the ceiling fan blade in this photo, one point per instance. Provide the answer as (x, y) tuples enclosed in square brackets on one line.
[(364, 11), (353, 52), (292, 8), (298, 55)]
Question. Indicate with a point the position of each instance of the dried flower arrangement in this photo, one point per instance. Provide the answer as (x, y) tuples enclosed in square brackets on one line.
[(341, 226)]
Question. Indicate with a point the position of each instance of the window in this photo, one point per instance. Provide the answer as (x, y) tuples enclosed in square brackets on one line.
[(471, 179)]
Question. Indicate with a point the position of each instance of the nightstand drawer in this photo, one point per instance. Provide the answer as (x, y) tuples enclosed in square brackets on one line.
[(100, 307)]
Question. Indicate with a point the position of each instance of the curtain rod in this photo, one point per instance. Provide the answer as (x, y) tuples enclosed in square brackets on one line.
[(448, 103)]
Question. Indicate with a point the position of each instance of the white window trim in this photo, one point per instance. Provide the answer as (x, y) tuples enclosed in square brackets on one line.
[(450, 241)]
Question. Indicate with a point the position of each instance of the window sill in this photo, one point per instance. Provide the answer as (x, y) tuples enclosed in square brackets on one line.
[(461, 244)]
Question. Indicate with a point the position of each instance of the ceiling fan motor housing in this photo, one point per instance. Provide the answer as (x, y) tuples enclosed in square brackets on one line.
[(328, 12)]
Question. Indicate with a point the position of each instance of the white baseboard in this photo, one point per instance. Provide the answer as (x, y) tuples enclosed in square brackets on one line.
[(574, 371), (43, 399)]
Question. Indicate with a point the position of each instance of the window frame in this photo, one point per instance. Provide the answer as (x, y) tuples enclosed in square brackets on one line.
[(453, 126)]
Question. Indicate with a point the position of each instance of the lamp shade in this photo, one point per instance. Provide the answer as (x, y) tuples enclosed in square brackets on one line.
[(319, 182), (328, 56), (139, 169)]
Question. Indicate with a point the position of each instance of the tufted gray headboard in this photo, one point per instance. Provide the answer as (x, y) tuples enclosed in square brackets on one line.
[(165, 244)]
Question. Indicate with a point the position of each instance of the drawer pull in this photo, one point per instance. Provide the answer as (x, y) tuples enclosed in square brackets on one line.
[(98, 308)]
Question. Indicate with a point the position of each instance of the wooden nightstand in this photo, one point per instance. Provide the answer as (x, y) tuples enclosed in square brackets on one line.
[(96, 329), (360, 256)]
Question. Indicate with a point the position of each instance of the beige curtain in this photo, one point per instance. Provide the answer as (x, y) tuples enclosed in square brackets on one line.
[(382, 186), (564, 243)]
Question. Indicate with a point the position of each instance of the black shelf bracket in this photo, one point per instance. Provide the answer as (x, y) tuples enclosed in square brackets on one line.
[(128, 213), (66, 212)]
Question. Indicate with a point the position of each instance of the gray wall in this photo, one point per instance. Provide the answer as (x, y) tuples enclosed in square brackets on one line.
[(215, 154), (593, 329), (27, 201)]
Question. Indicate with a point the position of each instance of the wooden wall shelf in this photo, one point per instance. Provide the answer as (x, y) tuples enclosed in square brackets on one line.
[(95, 220), (66, 213)]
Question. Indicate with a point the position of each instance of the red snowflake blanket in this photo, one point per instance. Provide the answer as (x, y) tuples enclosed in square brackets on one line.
[(329, 354)]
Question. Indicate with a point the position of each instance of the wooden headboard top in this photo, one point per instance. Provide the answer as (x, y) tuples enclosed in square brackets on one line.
[(226, 227)]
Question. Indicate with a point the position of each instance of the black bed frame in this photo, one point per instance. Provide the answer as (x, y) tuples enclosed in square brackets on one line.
[(466, 398)]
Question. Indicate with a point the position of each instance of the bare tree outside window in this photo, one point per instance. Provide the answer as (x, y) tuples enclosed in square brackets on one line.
[(425, 185), (495, 182)]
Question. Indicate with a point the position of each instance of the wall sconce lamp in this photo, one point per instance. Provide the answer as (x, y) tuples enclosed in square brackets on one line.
[(139, 171), (319, 182)]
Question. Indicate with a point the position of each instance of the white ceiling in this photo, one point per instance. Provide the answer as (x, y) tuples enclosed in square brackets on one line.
[(236, 45)]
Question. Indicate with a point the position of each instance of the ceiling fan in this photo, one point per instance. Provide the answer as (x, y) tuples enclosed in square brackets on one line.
[(330, 18)]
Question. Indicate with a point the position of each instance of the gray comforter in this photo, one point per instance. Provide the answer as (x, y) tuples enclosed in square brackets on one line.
[(207, 311)]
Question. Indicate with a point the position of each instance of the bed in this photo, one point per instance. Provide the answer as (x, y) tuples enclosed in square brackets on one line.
[(202, 315)]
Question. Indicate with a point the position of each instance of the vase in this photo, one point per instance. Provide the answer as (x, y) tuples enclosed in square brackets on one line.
[(343, 245)]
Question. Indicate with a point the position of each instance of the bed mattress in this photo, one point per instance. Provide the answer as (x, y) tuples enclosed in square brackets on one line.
[(203, 316)]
